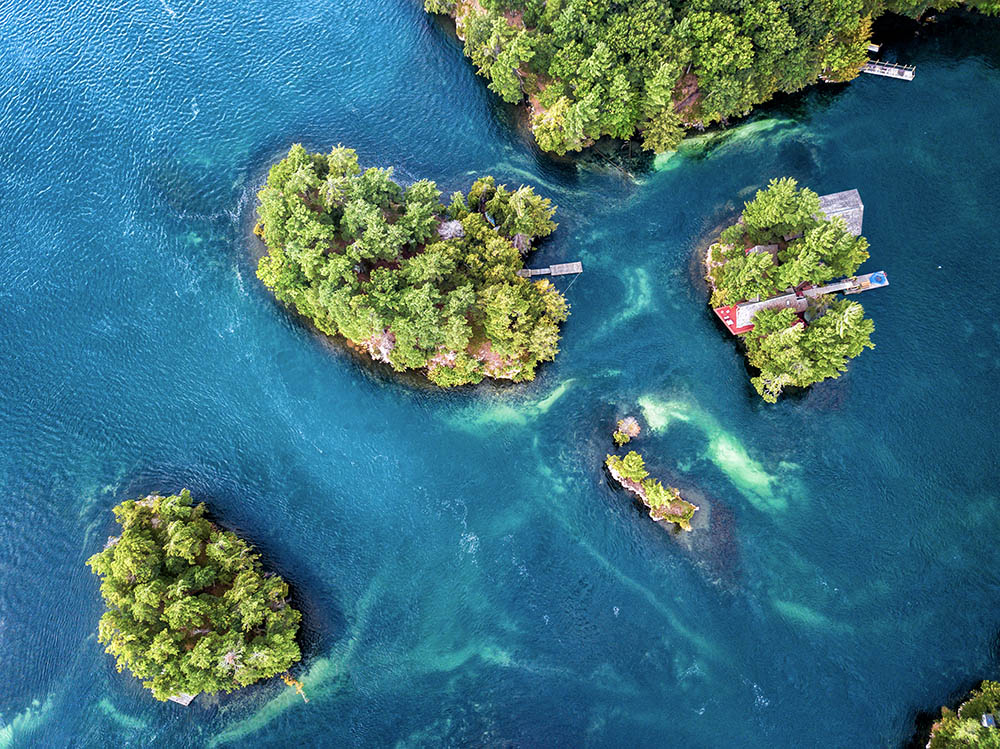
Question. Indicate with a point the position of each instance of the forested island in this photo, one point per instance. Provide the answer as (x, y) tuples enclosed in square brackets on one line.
[(590, 68), (189, 608), (768, 275), (412, 282), (976, 723), (664, 502)]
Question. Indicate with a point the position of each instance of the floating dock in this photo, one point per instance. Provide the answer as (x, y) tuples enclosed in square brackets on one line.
[(738, 318), (182, 699), (559, 269), (889, 70)]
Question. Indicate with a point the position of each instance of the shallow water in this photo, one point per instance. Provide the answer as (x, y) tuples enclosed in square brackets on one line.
[(467, 575)]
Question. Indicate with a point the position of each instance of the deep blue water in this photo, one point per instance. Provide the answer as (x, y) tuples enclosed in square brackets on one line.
[(466, 573)]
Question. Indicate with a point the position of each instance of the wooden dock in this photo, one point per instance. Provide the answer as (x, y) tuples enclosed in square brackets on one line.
[(738, 318), (559, 269), (889, 70)]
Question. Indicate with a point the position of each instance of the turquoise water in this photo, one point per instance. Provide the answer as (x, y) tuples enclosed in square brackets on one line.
[(467, 575)]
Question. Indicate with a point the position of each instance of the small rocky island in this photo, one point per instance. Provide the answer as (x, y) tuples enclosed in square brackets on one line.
[(189, 608), (664, 502), (628, 429), (411, 282), (772, 273)]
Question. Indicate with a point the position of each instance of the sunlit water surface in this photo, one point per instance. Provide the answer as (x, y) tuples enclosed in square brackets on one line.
[(467, 575)]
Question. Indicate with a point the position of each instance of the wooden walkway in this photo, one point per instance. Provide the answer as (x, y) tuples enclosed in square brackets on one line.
[(559, 269), (738, 318), (889, 70)]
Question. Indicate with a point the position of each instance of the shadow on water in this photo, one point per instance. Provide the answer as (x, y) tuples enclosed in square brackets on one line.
[(923, 720), (950, 31), (414, 380)]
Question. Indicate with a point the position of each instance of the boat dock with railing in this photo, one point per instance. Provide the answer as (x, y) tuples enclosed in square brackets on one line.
[(559, 269), (889, 69), (738, 318)]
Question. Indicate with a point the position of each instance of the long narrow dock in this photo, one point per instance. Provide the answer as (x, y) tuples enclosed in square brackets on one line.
[(889, 69), (559, 269), (738, 318)]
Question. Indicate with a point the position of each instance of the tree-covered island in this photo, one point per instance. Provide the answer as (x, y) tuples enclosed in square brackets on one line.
[(976, 723), (664, 502), (414, 283), (769, 274), (590, 68), (189, 608)]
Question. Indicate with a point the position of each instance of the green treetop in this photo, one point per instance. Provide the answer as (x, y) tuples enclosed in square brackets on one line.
[(957, 730), (595, 67), (818, 250), (415, 283), (799, 355), (189, 609)]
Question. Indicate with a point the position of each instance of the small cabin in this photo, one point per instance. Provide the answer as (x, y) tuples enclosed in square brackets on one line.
[(848, 206)]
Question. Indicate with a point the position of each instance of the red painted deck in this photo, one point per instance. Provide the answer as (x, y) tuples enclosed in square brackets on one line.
[(728, 317)]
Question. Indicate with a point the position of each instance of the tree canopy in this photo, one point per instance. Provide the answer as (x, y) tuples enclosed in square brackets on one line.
[(964, 728), (415, 283), (785, 350), (189, 608), (594, 67), (819, 249)]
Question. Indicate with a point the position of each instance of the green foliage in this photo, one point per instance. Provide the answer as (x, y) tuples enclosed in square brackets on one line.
[(963, 729), (595, 67), (824, 249), (778, 211), (189, 609), (631, 467), (802, 355), (414, 283), (627, 429)]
